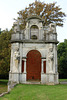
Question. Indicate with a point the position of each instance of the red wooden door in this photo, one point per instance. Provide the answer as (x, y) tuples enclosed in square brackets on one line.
[(22, 66), (44, 63), (34, 65)]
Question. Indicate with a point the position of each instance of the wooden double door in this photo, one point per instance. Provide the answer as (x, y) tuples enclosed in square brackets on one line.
[(33, 65)]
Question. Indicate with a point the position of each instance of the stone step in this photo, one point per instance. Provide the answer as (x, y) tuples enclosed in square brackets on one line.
[(33, 82)]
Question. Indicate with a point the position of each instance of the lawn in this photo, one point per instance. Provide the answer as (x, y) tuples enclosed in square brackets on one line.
[(3, 86), (37, 92), (63, 80)]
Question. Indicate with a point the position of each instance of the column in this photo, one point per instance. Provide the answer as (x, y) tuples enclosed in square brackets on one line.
[(20, 62), (11, 60), (56, 61), (42, 67)]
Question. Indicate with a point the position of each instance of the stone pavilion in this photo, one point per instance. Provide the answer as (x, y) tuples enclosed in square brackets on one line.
[(34, 53)]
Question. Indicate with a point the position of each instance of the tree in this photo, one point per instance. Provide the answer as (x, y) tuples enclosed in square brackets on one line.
[(49, 12), (5, 53), (0, 30), (62, 59)]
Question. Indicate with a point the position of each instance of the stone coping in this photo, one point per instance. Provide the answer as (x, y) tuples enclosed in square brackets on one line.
[(43, 57), (34, 41), (52, 41)]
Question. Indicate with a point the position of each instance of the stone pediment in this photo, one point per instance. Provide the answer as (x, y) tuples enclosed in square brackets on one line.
[(35, 31), (35, 17)]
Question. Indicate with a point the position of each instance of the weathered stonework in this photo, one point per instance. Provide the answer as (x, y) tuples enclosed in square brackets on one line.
[(39, 38)]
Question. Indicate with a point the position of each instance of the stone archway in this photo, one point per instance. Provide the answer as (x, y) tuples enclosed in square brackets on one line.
[(33, 65)]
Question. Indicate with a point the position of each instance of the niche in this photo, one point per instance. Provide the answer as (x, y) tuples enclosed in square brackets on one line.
[(34, 32)]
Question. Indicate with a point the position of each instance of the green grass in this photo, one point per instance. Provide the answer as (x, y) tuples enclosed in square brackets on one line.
[(3, 86), (63, 80), (37, 92)]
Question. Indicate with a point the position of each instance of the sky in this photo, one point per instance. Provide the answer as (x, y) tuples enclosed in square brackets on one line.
[(9, 9)]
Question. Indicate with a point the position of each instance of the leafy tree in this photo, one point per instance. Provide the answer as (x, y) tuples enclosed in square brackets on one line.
[(62, 59), (0, 30), (49, 12), (5, 52)]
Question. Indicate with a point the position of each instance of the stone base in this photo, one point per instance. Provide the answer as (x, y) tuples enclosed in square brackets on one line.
[(23, 78), (49, 79), (14, 77), (17, 77)]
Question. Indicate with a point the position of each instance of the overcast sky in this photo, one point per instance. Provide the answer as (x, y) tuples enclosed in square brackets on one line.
[(9, 9)]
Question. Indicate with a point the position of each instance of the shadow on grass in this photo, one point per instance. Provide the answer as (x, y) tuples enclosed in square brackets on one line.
[(3, 82), (3, 85)]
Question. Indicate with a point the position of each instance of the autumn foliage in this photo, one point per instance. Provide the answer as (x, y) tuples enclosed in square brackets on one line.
[(49, 12)]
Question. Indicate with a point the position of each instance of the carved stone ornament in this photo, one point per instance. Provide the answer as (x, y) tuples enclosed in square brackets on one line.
[(16, 27), (51, 54), (17, 53)]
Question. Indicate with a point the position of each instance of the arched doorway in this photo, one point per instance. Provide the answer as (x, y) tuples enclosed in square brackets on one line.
[(33, 65)]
